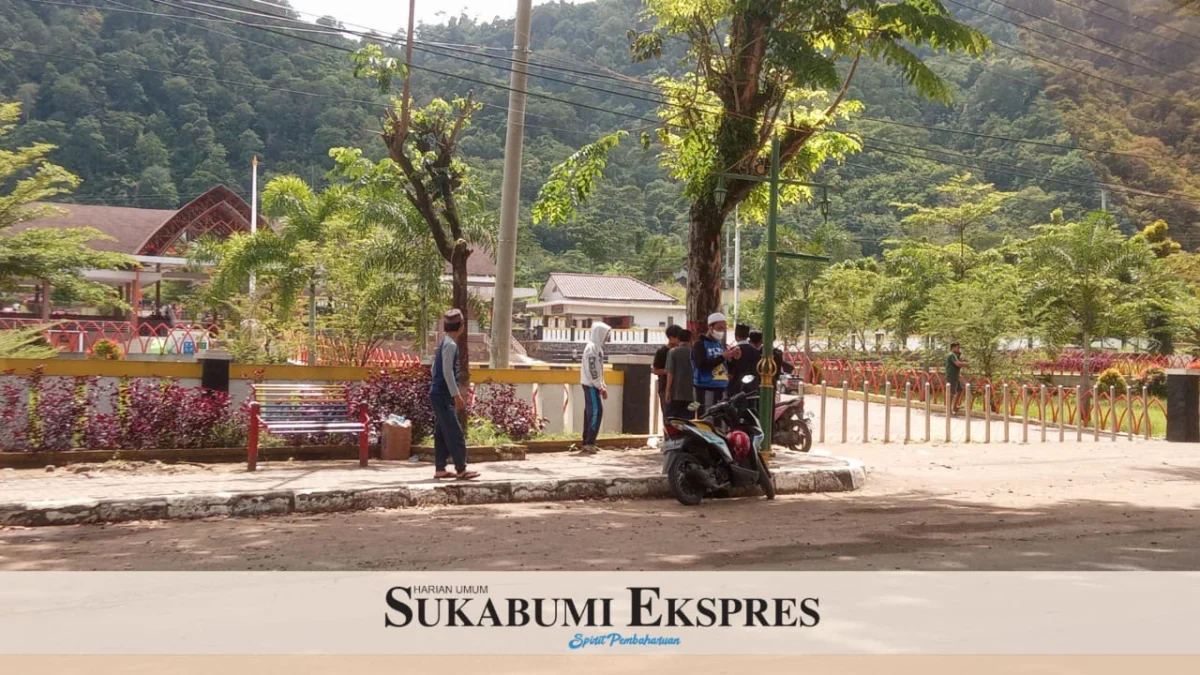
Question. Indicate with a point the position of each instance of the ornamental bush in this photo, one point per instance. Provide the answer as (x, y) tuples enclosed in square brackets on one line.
[(1112, 378)]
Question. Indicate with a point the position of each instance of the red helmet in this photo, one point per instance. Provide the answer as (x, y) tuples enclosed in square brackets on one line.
[(739, 441)]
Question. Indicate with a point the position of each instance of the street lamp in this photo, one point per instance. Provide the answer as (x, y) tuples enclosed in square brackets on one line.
[(766, 365)]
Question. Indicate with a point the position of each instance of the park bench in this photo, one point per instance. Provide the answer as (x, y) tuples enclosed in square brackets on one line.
[(283, 409)]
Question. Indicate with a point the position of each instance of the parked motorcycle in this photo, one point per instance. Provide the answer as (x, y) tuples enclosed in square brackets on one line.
[(792, 426), (713, 454)]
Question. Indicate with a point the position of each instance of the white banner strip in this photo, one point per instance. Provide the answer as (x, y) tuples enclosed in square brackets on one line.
[(530, 613)]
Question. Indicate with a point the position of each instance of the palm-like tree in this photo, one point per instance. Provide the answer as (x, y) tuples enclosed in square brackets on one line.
[(288, 256)]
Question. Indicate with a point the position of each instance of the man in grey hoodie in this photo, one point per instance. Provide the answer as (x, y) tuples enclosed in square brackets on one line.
[(595, 392)]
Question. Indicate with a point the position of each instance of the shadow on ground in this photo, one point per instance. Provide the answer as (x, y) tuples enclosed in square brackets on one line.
[(908, 531)]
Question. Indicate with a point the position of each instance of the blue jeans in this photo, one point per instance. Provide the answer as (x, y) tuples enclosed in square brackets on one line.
[(593, 413), (449, 441)]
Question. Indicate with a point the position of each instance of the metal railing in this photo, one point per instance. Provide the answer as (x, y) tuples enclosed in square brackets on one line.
[(983, 415)]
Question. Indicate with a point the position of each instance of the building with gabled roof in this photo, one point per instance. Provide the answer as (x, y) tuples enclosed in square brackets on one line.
[(578, 300)]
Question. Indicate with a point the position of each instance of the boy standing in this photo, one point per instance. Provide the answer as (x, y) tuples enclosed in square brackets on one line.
[(595, 392), (680, 393), (449, 441)]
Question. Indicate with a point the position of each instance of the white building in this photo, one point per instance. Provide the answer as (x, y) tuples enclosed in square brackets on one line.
[(579, 300)]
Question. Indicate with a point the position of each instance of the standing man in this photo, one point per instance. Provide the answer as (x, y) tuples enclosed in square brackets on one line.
[(680, 393), (449, 441), (954, 365), (742, 365), (710, 363), (660, 367), (595, 392)]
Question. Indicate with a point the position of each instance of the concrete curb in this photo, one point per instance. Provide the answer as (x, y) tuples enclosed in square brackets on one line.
[(851, 475)]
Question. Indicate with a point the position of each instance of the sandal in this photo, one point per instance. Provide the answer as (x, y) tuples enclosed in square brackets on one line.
[(467, 475), (443, 474)]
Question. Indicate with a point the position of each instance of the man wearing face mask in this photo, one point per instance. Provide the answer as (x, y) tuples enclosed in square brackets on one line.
[(710, 363)]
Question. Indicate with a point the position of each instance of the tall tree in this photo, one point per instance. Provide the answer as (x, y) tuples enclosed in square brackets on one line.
[(965, 204), (1082, 280), (53, 255), (761, 67), (977, 312), (424, 144)]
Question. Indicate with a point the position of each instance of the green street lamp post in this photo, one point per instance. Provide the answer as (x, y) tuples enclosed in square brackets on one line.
[(766, 365)]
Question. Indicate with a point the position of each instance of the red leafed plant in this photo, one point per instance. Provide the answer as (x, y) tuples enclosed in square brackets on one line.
[(397, 391), (498, 404)]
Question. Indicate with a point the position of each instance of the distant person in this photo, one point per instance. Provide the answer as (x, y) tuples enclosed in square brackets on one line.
[(449, 441), (660, 366), (170, 315), (954, 384), (595, 392), (710, 362), (680, 392)]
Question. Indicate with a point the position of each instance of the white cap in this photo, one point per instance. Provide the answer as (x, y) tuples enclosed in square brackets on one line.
[(716, 317)]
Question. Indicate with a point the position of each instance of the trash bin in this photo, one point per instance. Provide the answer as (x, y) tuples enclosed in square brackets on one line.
[(397, 440)]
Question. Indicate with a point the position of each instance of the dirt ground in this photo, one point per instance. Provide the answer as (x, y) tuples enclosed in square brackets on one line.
[(1074, 506)]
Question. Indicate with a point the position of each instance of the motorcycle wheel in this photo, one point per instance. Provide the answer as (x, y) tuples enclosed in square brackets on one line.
[(683, 488), (798, 427), (765, 480)]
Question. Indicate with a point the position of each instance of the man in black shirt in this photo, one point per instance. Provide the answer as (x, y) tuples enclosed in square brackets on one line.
[(660, 366), (746, 363)]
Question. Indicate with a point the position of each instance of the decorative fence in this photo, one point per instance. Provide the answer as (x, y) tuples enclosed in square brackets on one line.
[(81, 336), (332, 352), (988, 414)]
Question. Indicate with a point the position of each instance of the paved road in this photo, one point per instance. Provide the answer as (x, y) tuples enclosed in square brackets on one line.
[(1078, 506)]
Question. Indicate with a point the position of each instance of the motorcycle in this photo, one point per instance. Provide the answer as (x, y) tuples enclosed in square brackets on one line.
[(711, 455), (792, 426)]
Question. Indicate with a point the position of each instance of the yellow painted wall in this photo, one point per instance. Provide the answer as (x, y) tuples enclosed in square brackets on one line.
[(87, 368)]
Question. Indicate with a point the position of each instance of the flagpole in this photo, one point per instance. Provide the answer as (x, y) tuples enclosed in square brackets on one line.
[(253, 207)]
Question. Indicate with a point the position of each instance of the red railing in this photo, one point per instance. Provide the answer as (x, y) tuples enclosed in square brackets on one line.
[(81, 336)]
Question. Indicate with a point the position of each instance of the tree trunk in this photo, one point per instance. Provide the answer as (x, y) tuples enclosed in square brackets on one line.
[(458, 267), (704, 265)]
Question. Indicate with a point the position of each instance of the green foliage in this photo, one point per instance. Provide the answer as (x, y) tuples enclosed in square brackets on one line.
[(978, 312), (27, 177), (573, 181), (845, 296), (26, 343), (1111, 379), (106, 350)]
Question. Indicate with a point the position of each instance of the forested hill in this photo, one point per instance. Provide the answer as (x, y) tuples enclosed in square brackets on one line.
[(154, 101)]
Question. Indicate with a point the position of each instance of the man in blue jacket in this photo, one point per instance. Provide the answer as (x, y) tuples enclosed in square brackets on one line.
[(449, 441), (710, 363)]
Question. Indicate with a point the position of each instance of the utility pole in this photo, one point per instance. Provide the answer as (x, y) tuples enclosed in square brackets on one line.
[(510, 194), (405, 103), (253, 208), (1104, 200), (737, 263)]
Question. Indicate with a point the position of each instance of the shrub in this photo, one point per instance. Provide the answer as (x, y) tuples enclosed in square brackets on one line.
[(1154, 380), (106, 350), (511, 415), (398, 391), (1110, 379)]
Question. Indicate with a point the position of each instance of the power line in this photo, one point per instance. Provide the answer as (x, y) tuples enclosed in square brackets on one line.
[(1081, 71), (1111, 45), (1137, 17), (1059, 39), (655, 101), (1010, 139), (986, 165), (1117, 21)]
